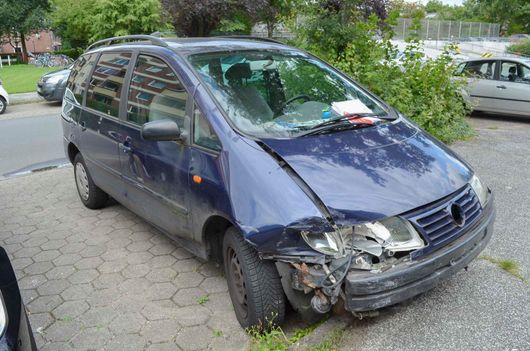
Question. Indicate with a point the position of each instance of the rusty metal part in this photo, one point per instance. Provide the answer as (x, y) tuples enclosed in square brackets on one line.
[(304, 276)]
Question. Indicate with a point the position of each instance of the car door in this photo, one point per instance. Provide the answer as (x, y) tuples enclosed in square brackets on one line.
[(481, 85), (513, 88), (156, 172), (208, 193), (74, 96), (99, 122)]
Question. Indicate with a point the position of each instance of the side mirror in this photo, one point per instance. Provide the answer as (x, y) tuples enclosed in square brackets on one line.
[(161, 130)]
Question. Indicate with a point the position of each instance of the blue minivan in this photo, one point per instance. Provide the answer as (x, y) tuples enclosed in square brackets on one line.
[(308, 188)]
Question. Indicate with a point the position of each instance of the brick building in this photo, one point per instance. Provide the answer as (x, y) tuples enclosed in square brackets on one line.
[(44, 41)]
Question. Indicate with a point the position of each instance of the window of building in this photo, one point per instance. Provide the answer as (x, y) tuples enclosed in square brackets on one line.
[(157, 95), (77, 80), (107, 81)]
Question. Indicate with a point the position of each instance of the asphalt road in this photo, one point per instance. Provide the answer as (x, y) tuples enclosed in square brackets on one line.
[(30, 138), (484, 308)]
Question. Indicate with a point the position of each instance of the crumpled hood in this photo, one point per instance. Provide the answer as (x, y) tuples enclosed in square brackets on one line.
[(372, 173)]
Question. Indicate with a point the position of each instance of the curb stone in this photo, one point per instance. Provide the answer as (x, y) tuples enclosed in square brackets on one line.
[(24, 98), (321, 333)]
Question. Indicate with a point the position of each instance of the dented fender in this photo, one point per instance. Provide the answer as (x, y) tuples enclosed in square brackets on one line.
[(269, 217)]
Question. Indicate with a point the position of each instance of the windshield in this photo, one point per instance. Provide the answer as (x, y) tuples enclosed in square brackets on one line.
[(279, 94)]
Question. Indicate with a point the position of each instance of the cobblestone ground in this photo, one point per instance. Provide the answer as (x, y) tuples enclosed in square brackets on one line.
[(105, 279)]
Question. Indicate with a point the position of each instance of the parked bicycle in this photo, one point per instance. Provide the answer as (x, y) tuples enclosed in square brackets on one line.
[(50, 60)]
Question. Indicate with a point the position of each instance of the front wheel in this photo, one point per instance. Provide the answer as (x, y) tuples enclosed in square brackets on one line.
[(254, 284), (90, 194), (3, 105)]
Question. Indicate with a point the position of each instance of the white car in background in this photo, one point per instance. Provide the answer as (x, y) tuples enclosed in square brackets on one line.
[(498, 85), (4, 98)]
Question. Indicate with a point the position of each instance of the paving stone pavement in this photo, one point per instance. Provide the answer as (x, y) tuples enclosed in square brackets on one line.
[(105, 279)]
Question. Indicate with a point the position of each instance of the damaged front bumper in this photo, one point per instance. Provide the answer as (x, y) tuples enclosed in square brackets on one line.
[(369, 290), (364, 291)]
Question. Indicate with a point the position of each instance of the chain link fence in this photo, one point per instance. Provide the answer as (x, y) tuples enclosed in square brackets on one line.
[(445, 30)]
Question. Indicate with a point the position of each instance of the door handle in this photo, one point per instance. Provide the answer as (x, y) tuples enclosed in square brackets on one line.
[(83, 125), (501, 86), (126, 145), (125, 148)]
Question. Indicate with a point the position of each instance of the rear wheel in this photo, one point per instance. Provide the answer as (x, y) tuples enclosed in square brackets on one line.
[(3, 105), (89, 193), (254, 284)]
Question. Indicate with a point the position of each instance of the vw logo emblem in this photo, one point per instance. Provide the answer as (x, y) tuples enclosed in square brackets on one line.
[(457, 212)]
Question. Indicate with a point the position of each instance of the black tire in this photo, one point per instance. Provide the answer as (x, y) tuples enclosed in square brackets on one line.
[(3, 105), (259, 301), (90, 194)]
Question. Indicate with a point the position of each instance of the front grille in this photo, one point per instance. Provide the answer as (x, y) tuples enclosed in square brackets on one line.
[(436, 223)]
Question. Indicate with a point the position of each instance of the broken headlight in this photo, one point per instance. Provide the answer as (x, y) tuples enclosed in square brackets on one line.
[(480, 190), (329, 243), (393, 234)]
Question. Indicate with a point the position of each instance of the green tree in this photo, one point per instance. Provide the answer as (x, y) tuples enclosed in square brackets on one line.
[(72, 21), (20, 18), (513, 15), (271, 11), (200, 17), (445, 12), (329, 24), (123, 17), (80, 22), (406, 9)]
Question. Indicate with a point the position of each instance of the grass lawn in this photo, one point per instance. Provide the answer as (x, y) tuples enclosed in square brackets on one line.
[(22, 78)]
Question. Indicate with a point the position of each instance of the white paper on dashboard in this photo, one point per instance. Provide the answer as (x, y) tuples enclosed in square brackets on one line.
[(350, 107)]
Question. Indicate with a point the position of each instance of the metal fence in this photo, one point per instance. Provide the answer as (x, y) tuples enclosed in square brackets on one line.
[(445, 30), (280, 32)]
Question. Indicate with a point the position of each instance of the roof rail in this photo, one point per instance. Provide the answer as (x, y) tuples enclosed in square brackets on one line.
[(109, 41), (165, 34), (251, 38)]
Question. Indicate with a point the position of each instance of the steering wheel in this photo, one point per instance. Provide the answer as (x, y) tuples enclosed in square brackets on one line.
[(297, 97)]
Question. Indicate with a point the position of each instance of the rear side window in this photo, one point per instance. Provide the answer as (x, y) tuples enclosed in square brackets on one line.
[(155, 93), (480, 69), (514, 72), (106, 83), (77, 80)]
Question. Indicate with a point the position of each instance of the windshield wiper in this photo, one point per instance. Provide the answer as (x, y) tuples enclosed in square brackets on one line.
[(343, 123)]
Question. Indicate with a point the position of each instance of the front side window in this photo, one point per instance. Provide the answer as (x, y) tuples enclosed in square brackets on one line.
[(106, 83), (279, 94), (155, 93), (480, 69), (77, 80), (203, 134), (514, 72), (460, 69)]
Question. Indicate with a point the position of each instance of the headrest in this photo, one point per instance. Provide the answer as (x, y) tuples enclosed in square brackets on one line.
[(512, 69), (238, 71)]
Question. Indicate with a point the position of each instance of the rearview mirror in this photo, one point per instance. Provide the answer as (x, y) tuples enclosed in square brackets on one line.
[(161, 130)]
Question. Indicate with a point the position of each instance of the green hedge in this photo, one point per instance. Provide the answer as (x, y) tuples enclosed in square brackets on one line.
[(73, 53), (521, 48)]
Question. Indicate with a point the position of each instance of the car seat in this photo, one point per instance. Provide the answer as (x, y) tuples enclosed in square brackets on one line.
[(512, 74), (249, 96)]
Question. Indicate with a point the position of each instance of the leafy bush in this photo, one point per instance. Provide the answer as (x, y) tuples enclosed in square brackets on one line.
[(73, 53), (521, 48), (420, 88)]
